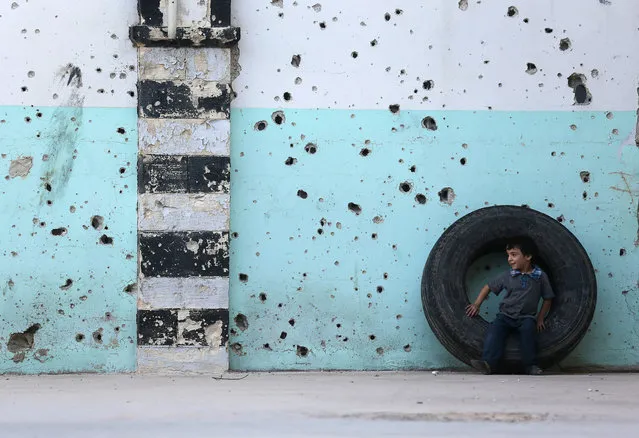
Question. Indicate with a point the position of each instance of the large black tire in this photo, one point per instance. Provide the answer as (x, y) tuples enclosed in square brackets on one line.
[(486, 230)]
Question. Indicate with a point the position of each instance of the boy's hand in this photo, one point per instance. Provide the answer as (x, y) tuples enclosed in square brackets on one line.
[(472, 310), (540, 325)]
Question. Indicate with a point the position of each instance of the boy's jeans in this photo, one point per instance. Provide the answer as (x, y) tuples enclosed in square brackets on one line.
[(499, 330)]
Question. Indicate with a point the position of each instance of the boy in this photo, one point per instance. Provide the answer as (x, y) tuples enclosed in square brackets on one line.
[(525, 284)]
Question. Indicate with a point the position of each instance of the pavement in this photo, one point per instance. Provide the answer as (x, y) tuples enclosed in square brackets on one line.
[(311, 404)]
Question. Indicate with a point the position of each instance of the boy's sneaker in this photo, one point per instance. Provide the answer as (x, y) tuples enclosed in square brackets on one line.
[(481, 365), (534, 371)]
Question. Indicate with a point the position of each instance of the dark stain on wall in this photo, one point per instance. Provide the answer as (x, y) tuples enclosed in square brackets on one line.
[(157, 327), (184, 254), (183, 174)]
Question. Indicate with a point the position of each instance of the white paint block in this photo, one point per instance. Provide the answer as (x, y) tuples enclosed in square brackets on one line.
[(194, 13), (182, 360), (211, 64), (161, 63), (184, 136), (183, 293), (183, 212)]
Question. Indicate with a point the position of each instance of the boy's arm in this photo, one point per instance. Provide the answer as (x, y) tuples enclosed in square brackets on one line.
[(542, 314), (473, 309)]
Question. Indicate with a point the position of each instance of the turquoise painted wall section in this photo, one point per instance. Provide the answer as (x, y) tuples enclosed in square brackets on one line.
[(325, 288), (65, 166)]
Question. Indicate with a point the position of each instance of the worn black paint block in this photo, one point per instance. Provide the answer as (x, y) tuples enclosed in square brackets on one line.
[(157, 327), (150, 13), (221, 13), (209, 174), (156, 36), (165, 99), (220, 103), (190, 334), (162, 174), (184, 254)]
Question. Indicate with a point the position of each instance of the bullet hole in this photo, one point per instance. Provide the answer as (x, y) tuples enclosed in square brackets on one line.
[(122, 170), (31, 74), (609, 115), (283, 335), (405, 187), (531, 68), (24, 89), (302, 351), (398, 12), (79, 337), (394, 108), (387, 16), (97, 222), (106, 240), (594, 73), (561, 219), (463, 5), (380, 289), (564, 44), (573, 127), (525, 20), (290, 161), (322, 25), (354, 54), (577, 81), (420, 198), (243, 277), (551, 205), (47, 187), (302, 194), (446, 195), (131, 93), (278, 117), (49, 202), (615, 131), (261, 125), (428, 85), (622, 252), (59, 231), (462, 161), (295, 60), (379, 350), (584, 195), (241, 321), (67, 285), (373, 43), (97, 336), (355, 208), (429, 123), (407, 348), (121, 131), (311, 148), (512, 11), (267, 347), (27, 119), (262, 296), (291, 322), (585, 176), (364, 152), (320, 231), (130, 288), (548, 30), (237, 348)]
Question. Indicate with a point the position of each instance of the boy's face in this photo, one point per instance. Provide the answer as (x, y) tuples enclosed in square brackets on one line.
[(517, 260)]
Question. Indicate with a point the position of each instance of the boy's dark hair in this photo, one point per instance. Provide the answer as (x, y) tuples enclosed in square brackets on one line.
[(524, 244)]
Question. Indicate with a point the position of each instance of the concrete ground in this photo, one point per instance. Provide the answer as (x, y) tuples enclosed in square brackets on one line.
[(399, 404)]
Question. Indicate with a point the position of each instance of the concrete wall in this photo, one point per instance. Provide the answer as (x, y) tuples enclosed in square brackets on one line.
[(361, 130), (68, 140)]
